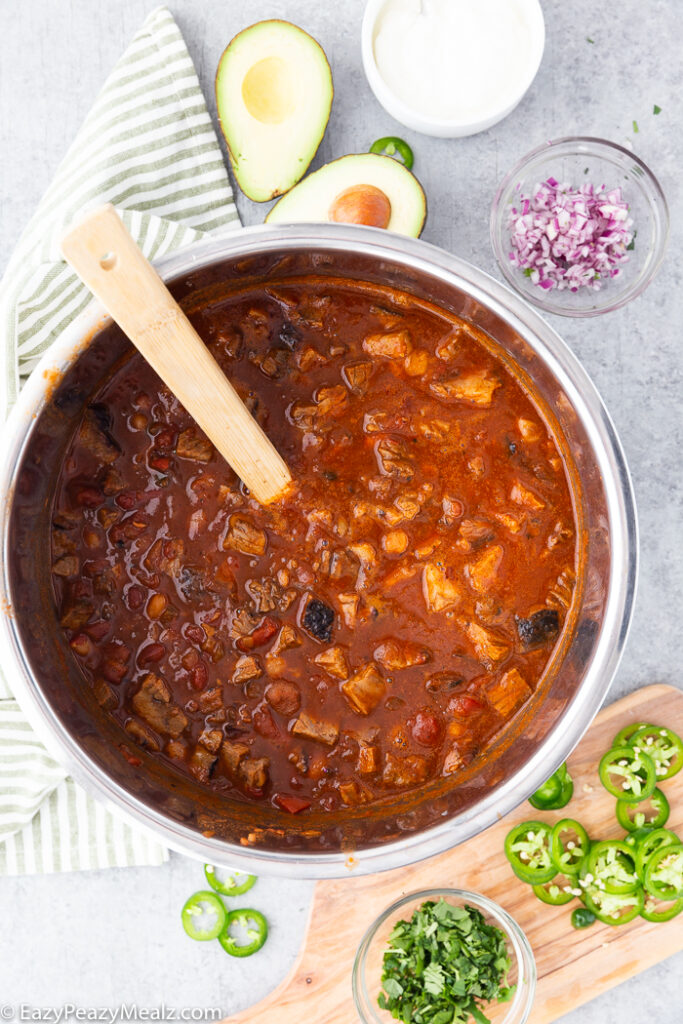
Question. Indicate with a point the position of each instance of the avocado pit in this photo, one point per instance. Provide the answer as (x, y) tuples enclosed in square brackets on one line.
[(361, 204)]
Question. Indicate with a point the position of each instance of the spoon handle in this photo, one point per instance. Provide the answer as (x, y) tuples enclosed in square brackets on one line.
[(108, 261)]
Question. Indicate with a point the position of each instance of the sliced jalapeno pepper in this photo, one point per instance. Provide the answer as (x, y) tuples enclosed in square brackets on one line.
[(633, 839), (611, 908), (613, 867), (623, 737), (632, 816), (527, 847), (569, 845), (627, 774), (555, 793), (557, 891), (650, 844), (256, 927), (392, 146), (582, 917), (664, 872), (234, 885), (662, 746), (661, 910), (203, 916)]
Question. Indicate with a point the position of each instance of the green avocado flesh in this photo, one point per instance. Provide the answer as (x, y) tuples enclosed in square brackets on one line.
[(274, 94), (313, 199)]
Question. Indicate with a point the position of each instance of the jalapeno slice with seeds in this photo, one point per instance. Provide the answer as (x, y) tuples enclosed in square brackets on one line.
[(664, 872), (236, 883), (613, 867), (394, 147), (627, 774), (623, 737), (556, 792), (633, 816), (649, 845), (557, 891), (527, 847), (569, 845), (250, 921), (661, 910), (614, 909), (203, 916), (663, 746)]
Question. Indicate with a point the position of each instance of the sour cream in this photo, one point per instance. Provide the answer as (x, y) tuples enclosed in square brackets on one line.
[(461, 61)]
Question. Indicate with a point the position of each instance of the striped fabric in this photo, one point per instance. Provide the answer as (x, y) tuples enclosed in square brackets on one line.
[(148, 146)]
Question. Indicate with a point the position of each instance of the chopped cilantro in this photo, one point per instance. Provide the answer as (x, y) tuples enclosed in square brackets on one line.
[(443, 965), (589, 40), (636, 129), (632, 244), (528, 271), (656, 109)]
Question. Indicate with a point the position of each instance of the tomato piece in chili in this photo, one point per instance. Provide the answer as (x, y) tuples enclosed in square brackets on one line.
[(253, 923)]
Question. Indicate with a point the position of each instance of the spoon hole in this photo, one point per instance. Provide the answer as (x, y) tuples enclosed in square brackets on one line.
[(108, 261)]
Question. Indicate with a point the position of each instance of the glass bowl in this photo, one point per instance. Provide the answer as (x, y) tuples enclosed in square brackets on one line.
[(577, 160), (367, 968)]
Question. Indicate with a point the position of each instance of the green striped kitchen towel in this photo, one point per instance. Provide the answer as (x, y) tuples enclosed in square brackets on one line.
[(148, 146)]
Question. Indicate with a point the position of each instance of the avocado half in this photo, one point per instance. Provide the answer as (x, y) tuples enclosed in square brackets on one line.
[(363, 188), (274, 95)]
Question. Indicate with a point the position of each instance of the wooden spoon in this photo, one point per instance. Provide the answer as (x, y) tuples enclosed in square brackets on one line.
[(111, 265)]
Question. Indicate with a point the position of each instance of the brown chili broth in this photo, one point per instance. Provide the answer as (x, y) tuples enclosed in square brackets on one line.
[(336, 467)]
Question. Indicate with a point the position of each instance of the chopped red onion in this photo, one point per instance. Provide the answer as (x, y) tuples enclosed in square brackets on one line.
[(566, 238)]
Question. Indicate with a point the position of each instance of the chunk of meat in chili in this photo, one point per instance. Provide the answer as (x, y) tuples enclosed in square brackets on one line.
[(153, 703)]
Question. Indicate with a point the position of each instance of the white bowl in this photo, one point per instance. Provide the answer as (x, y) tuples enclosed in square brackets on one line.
[(434, 126)]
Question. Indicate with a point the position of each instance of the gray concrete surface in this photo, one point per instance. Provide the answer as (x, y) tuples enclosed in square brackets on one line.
[(100, 939)]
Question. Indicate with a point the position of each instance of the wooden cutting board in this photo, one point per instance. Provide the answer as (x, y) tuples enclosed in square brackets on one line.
[(573, 966)]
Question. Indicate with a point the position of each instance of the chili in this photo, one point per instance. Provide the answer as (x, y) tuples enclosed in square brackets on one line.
[(374, 631)]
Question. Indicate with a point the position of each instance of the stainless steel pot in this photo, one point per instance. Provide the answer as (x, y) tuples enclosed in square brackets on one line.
[(46, 680)]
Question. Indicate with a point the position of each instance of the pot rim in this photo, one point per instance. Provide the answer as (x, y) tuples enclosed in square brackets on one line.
[(620, 502)]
